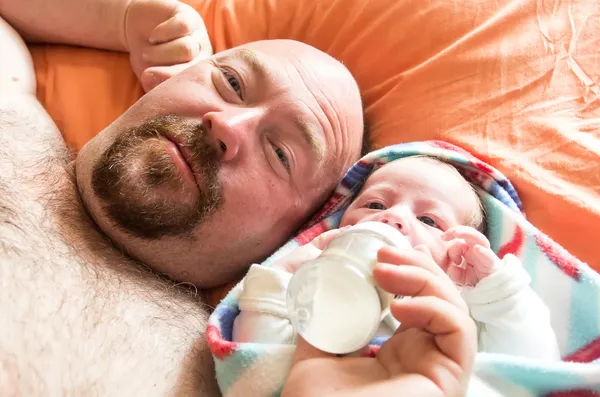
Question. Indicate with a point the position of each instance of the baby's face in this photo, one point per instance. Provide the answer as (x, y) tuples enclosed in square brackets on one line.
[(419, 197)]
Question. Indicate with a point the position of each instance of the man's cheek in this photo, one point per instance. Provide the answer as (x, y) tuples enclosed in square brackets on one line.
[(250, 202)]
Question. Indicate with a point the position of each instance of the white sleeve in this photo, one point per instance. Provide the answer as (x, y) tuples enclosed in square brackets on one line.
[(263, 314), (511, 317)]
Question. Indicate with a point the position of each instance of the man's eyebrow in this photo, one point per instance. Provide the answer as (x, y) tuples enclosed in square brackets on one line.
[(310, 135), (256, 64)]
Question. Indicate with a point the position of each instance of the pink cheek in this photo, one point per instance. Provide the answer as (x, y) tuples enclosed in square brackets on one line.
[(352, 218), (364, 216)]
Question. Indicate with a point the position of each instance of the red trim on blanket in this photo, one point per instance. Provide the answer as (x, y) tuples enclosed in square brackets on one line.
[(309, 234), (483, 166), (514, 245), (331, 203), (370, 351), (586, 354), (559, 256), (451, 147), (574, 393), (217, 345)]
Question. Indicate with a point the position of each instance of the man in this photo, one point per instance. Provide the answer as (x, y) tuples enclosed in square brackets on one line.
[(206, 173), (216, 167), (192, 181)]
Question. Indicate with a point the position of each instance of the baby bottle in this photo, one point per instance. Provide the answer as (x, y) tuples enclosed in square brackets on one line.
[(333, 302)]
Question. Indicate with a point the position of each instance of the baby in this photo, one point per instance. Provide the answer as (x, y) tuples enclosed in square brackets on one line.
[(441, 214)]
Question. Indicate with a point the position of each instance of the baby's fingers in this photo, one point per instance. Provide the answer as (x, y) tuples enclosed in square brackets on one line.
[(456, 250), (463, 276), (483, 259), (181, 50), (457, 274), (185, 21), (468, 234)]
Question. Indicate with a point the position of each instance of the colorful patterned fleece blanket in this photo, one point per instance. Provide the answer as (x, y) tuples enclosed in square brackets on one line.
[(569, 288)]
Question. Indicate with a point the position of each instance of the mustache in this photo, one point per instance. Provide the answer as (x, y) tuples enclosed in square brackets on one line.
[(188, 134)]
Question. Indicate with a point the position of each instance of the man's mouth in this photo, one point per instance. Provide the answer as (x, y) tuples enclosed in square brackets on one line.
[(182, 160)]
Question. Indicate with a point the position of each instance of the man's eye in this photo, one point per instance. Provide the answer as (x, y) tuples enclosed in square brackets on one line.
[(280, 153), (373, 205), (428, 221), (233, 82)]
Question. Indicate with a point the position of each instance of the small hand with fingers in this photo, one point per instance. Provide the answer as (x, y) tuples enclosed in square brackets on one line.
[(470, 256), (164, 37)]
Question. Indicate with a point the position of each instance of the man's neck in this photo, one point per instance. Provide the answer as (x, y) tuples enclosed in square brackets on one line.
[(92, 245), (80, 230)]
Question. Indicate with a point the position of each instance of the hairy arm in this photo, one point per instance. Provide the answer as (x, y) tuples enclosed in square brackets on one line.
[(90, 23)]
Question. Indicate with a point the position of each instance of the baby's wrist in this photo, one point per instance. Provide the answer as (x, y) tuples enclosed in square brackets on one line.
[(494, 268)]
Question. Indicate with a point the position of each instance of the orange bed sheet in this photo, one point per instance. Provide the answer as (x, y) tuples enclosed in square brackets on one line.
[(513, 81)]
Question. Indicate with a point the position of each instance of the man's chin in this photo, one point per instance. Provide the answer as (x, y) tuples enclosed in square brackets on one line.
[(154, 221), (173, 194)]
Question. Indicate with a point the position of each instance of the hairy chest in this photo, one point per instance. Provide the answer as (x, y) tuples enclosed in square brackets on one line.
[(78, 318)]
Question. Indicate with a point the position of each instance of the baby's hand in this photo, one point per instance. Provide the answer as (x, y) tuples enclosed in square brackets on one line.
[(470, 256), (164, 37), (295, 259)]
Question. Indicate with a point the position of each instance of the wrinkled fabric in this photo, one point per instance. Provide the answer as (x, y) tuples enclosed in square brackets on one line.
[(513, 81)]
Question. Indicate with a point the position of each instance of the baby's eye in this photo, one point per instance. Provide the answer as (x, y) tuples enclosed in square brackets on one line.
[(373, 205), (428, 221)]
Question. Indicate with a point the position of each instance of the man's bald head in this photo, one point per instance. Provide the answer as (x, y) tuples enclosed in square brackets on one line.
[(217, 166)]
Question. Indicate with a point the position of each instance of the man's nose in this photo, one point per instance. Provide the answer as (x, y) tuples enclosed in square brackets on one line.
[(234, 129)]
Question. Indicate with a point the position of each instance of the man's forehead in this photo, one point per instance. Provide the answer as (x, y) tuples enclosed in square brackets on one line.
[(309, 79), (279, 67), (305, 73)]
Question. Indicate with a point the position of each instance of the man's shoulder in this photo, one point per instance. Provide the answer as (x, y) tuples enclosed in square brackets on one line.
[(30, 143), (16, 67)]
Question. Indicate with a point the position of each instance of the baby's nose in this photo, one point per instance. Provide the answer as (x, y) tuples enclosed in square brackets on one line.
[(395, 223)]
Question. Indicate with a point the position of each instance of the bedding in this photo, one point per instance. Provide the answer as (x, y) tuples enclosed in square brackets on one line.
[(513, 81)]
